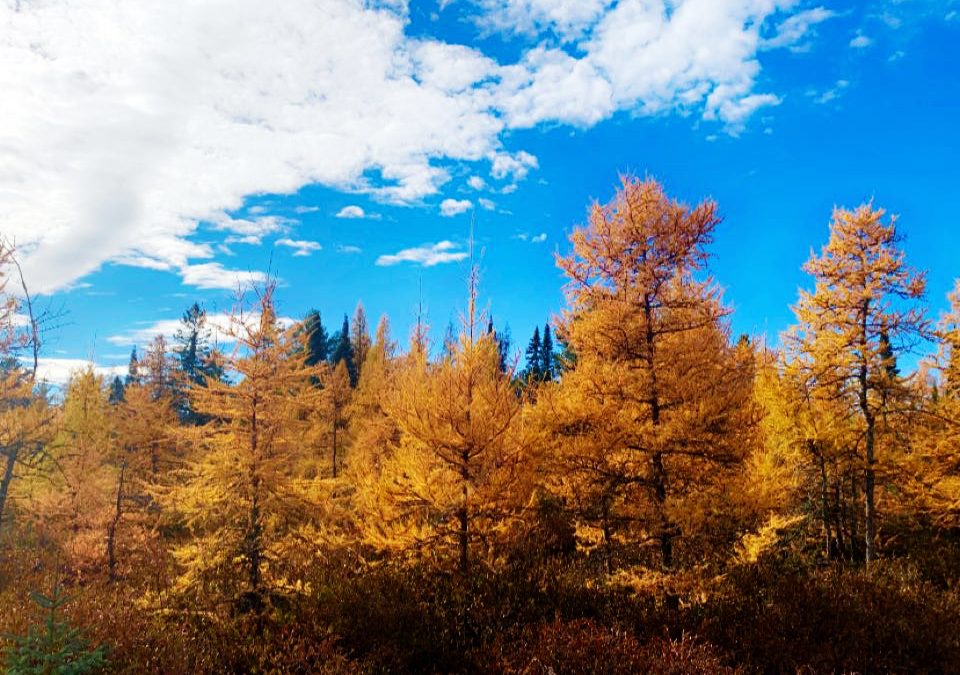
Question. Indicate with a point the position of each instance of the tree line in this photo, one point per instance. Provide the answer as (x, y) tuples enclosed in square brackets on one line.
[(646, 470)]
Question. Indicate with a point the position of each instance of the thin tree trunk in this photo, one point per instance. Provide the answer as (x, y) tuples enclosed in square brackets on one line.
[(869, 440), (824, 509), (112, 528), (12, 453)]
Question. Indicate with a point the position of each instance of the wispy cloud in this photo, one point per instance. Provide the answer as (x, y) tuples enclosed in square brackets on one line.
[(349, 250), (861, 41), (302, 247), (427, 255), (214, 275), (220, 324)]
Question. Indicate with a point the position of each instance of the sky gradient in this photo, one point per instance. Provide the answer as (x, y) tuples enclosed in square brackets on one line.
[(154, 154)]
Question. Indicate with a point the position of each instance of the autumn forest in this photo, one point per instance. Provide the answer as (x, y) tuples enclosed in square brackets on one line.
[(636, 489)]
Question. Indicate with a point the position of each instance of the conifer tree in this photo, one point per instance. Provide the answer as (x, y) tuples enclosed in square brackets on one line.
[(862, 311), (359, 338), (546, 353), (452, 481), (657, 409), (244, 497), (317, 340), (195, 356), (133, 369), (343, 351), (116, 390), (534, 357)]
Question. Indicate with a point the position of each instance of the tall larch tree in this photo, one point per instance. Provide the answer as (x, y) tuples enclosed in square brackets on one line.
[(934, 462), (657, 410), (243, 496), (862, 311)]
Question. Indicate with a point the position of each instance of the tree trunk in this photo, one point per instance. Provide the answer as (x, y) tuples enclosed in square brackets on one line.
[(824, 508), (12, 452), (112, 528), (869, 440)]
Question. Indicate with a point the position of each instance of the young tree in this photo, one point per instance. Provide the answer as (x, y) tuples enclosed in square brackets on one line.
[(453, 478), (657, 410), (244, 497), (861, 312)]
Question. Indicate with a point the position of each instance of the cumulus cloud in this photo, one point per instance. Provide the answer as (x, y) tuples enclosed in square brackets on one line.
[(351, 211), (861, 42), (301, 247), (126, 126), (453, 207), (427, 255)]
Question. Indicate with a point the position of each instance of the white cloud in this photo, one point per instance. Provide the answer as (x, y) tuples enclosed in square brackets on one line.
[(477, 183), (214, 275), (124, 126), (861, 42), (351, 211), (569, 19), (532, 238), (795, 28), (427, 255), (453, 207), (306, 209), (349, 250), (58, 371), (517, 166), (219, 323), (486, 203), (302, 247)]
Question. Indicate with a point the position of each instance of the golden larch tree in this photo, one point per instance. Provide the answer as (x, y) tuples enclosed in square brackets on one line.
[(243, 497), (656, 408), (861, 313)]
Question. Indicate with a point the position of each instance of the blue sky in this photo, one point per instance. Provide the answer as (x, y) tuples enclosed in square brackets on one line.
[(154, 154)]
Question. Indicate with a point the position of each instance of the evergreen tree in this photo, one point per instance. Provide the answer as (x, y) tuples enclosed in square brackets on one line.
[(133, 370), (546, 354), (343, 351), (196, 361), (117, 390), (56, 647), (534, 356), (317, 342)]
